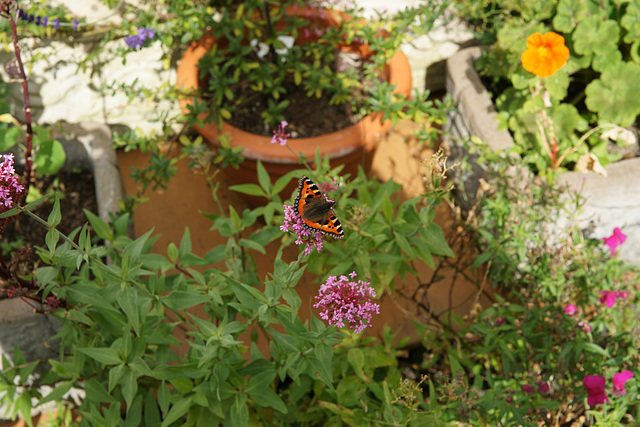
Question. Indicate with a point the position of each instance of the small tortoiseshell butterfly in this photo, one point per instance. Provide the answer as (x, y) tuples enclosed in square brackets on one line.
[(316, 212)]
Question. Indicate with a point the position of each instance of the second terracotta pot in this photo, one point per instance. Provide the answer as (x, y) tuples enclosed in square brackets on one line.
[(350, 147)]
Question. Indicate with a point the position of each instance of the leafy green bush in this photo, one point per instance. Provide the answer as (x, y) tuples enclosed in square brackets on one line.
[(591, 94)]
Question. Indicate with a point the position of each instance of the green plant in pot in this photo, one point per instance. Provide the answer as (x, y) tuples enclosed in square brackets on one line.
[(337, 80), (575, 118)]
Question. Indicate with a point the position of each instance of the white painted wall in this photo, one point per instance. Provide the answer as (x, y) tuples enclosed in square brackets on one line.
[(59, 91)]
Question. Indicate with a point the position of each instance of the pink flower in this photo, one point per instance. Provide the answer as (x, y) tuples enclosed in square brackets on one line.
[(570, 310), (343, 300), (618, 382), (499, 321), (293, 222), (615, 240), (528, 389), (10, 188), (330, 187), (609, 297), (279, 137), (543, 388), (595, 389), (585, 326)]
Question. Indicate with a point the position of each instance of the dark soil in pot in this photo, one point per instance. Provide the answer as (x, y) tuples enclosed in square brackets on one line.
[(307, 116), (21, 236)]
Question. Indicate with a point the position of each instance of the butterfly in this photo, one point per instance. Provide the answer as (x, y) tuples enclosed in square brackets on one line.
[(316, 211)]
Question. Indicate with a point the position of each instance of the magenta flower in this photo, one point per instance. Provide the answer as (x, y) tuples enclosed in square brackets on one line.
[(10, 188), (609, 297), (570, 310), (615, 240), (618, 381), (499, 321), (528, 389), (279, 136), (595, 389), (543, 388), (343, 300), (293, 222)]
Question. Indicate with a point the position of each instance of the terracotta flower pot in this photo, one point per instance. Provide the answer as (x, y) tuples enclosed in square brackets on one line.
[(351, 146)]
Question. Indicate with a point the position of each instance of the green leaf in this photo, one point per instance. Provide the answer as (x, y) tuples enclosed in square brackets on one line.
[(172, 252), (631, 22), (239, 412), (181, 300), (185, 244), (164, 397), (23, 405), (250, 244), (250, 189), (57, 393), (177, 410), (96, 391), (614, 95), (595, 35), (104, 355), (595, 348), (55, 216), (50, 157), (263, 178), (435, 240), (355, 356), (269, 398), (129, 387), (557, 84), (569, 13), (403, 243), (128, 302), (46, 275), (318, 369), (99, 226), (51, 239)]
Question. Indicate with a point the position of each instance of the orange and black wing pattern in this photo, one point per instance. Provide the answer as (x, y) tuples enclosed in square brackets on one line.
[(316, 211)]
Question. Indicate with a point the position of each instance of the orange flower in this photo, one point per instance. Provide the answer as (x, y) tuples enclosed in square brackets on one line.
[(545, 54)]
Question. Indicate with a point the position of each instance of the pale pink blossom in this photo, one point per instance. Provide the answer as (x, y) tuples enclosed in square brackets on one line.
[(344, 301)]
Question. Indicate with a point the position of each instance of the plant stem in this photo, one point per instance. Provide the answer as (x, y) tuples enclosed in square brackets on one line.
[(27, 106), (272, 50)]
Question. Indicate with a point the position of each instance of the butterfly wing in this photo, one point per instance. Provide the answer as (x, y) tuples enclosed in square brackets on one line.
[(316, 212)]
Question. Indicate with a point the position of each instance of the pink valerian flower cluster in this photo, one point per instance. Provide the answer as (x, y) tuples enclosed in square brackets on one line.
[(330, 187), (615, 240), (293, 222), (609, 297), (344, 301), (10, 188), (595, 385), (279, 136)]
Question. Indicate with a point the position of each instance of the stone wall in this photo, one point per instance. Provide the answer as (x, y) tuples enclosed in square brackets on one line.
[(60, 90)]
